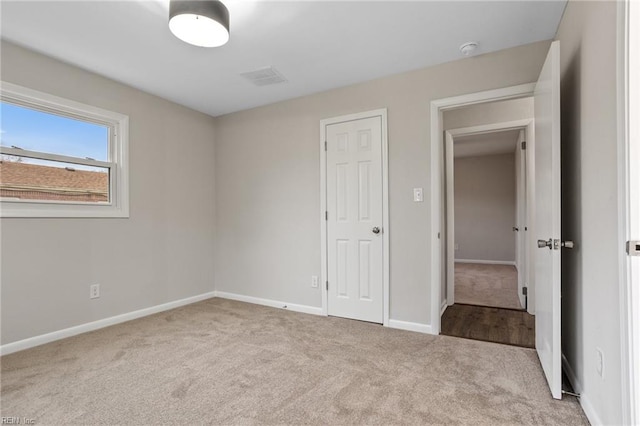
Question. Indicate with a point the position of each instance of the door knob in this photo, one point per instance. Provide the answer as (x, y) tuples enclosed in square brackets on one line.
[(375, 230), (545, 243), (515, 229), (567, 244)]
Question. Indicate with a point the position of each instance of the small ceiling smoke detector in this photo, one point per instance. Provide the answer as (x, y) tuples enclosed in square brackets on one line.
[(264, 76), (467, 49)]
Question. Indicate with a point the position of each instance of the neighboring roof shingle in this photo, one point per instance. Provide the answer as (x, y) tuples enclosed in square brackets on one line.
[(29, 178)]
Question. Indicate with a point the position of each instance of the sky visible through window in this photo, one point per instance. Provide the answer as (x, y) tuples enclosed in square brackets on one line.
[(39, 131)]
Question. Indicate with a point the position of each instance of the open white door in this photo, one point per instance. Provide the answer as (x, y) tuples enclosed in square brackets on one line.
[(547, 217)]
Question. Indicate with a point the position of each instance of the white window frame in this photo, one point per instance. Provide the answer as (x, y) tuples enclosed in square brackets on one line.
[(117, 158)]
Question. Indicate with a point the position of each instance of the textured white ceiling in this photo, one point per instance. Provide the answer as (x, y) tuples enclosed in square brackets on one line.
[(316, 45), (494, 143)]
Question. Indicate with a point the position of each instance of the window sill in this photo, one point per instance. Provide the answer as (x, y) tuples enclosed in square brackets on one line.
[(38, 210)]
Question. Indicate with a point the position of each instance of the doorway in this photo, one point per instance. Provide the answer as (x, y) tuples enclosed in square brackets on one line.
[(546, 211), (485, 185), (486, 224), (354, 217)]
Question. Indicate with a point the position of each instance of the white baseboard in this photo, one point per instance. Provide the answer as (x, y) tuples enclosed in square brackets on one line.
[(443, 307), (585, 402), (410, 326), (268, 302), (106, 322), (401, 325), (95, 325), (487, 262), (573, 380)]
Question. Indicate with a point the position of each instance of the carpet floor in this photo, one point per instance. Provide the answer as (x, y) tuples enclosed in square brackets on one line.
[(486, 285), (227, 362)]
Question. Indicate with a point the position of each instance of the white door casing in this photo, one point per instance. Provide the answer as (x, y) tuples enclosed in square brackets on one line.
[(437, 276), (356, 229), (522, 205), (629, 144), (450, 217), (521, 208), (530, 224), (547, 216)]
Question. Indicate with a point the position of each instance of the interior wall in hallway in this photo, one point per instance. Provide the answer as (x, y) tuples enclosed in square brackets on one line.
[(485, 207)]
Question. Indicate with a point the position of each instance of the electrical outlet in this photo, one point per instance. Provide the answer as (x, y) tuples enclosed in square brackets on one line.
[(417, 195), (314, 281), (600, 362), (94, 291)]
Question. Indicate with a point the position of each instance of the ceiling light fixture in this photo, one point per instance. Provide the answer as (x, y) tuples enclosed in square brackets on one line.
[(203, 23), (467, 49)]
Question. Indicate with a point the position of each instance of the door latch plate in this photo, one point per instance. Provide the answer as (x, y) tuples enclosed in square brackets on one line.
[(633, 248)]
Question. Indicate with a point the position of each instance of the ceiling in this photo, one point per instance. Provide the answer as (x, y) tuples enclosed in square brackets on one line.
[(315, 45), (494, 143)]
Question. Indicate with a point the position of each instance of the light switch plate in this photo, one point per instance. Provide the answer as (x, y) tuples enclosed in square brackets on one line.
[(417, 195)]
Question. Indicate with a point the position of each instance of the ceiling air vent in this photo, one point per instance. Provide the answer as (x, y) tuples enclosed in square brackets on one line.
[(264, 76)]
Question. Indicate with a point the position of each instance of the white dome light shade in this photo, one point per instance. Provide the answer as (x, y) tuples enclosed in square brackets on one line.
[(198, 30), (203, 23)]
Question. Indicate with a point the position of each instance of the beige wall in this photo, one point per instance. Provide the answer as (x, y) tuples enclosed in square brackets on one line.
[(267, 179), (485, 207), (488, 113), (590, 293), (163, 252)]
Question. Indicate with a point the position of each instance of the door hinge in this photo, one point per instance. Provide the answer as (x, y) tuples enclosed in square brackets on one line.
[(327, 285), (523, 145), (525, 290), (633, 248), (326, 215), (325, 145)]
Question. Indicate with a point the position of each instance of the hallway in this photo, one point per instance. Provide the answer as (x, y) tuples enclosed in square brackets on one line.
[(487, 306), (487, 285)]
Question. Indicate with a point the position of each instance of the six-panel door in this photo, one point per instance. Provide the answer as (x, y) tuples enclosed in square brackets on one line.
[(354, 225)]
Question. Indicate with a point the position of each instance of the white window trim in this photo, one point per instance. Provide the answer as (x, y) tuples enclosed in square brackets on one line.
[(118, 164)]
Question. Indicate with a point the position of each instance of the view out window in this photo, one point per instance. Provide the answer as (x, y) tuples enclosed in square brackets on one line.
[(59, 158)]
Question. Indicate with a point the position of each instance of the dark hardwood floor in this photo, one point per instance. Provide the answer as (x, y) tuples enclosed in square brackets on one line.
[(508, 326)]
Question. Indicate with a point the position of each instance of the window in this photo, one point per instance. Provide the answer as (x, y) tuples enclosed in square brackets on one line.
[(60, 158)]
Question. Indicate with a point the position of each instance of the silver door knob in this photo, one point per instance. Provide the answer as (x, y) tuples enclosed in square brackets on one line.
[(375, 230), (545, 243), (567, 244)]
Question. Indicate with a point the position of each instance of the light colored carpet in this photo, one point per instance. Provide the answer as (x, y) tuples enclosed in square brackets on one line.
[(487, 285), (226, 362)]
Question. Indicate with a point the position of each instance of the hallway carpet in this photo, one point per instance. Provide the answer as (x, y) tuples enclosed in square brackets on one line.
[(487, 285), (225, 362)]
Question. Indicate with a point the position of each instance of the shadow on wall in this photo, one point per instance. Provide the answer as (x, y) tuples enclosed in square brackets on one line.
[(571, 178)]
